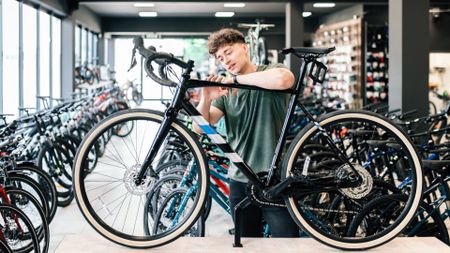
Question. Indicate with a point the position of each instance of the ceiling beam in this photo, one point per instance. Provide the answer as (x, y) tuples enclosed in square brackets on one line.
[(247, 1), (256, 1)]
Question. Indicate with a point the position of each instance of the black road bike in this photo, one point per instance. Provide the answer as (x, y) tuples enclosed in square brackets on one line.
[(324, 178)]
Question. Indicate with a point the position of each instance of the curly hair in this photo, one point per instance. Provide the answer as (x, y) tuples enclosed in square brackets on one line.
[(223, 37)]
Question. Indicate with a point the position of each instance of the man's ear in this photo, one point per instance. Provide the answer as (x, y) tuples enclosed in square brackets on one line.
[(245, 47)]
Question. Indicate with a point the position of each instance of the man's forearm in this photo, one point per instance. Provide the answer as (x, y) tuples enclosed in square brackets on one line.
[(203, 107), (273, 79)]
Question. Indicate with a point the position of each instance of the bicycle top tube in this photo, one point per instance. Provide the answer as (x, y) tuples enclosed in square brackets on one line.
[(193, 83)]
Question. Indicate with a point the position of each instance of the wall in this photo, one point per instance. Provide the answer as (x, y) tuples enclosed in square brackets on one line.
[(87, 18), (56, 5), (440, 33), (342, 15), (376, 14), (274, 36)]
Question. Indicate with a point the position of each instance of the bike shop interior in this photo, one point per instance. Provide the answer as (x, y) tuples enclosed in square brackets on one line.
[(65, 67)]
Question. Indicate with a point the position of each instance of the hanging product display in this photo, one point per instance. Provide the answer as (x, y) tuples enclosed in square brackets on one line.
[(345, 64)]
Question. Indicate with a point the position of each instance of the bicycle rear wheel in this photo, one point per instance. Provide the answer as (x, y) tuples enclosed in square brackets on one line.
[(17, 230), (108, 196), (380, 212), (381, 154)]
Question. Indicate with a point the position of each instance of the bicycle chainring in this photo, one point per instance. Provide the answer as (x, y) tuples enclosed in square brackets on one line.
[(257, 196)]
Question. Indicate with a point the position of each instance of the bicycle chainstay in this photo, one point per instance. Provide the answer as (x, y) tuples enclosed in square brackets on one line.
[(257, 198)]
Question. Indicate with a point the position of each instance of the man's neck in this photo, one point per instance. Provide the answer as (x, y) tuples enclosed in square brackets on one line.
[(249, 68)]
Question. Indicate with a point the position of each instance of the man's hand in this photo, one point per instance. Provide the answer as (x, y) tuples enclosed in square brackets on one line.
[(215, 92)]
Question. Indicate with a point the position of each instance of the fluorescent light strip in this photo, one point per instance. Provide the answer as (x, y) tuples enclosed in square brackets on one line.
[(224, 14), (144, 5), (306, 14), (324, 5), (234, 5), (148, 14)]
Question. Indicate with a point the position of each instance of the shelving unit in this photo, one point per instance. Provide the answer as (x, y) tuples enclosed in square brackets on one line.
[(344, 76), (376, 65)]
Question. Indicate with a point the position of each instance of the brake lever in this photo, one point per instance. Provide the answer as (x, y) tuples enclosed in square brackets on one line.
[(133, 60)]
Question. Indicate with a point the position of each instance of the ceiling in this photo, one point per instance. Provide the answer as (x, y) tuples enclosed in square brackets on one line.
[(200, 9)]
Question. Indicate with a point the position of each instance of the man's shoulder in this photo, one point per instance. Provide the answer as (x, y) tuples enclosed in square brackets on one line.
[(271, 66)]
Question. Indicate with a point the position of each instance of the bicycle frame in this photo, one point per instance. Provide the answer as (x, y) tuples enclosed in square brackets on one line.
[(179, 102)]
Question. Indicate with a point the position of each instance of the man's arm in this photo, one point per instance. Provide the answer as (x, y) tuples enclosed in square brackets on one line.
[(272, 79), (210, 113)]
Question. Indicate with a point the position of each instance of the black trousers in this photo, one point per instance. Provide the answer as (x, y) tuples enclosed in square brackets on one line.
[(280, 222)]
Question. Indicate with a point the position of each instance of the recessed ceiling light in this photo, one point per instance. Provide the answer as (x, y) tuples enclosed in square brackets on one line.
[(324, 5), (144, 5), (148, 14), (224, 14), (306, 14), (234, 5)]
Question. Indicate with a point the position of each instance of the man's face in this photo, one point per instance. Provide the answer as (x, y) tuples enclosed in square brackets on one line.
[(233, 57)]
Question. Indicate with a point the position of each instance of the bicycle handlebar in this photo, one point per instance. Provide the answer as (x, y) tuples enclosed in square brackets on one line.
[(162, 59)]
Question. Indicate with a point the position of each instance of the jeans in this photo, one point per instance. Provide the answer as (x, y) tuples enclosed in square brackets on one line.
[(280, 222)]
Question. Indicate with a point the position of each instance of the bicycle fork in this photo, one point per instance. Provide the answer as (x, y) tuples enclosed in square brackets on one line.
[(163, 131)]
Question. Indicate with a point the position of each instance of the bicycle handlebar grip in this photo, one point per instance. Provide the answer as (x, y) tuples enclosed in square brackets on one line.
[(151, 74), (160, 58)]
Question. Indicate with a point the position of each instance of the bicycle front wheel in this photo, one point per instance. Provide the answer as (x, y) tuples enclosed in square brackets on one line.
[(109, 197), (377, 150)]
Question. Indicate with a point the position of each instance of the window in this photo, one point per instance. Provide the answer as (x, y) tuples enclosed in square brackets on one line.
[(40, 56), (89, 48), (77, 46), (95, 49), (84, 46), (10, 21), (29, 57), (56, 57), (194, 49), (44, 55)]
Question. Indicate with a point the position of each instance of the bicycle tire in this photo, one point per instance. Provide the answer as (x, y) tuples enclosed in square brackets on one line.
[(45, 182), (198, 231), (6, 211), (300, 214), (41, 225), (435, 227), (4, 247), (17, 181), (82, 194)]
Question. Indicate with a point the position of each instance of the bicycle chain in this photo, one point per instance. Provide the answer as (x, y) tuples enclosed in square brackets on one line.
[(254, 198), (265, 203), (330, 210)]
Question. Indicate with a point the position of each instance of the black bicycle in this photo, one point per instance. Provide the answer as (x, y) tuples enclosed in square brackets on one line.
[(323, 193)]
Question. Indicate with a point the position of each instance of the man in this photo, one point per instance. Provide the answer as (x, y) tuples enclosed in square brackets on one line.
[(253, 120)]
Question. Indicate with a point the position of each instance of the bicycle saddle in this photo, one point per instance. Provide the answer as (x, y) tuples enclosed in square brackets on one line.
[(308, 51)]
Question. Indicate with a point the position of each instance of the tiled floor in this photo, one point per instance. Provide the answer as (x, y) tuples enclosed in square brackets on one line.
[(71, 233), (69, 227)]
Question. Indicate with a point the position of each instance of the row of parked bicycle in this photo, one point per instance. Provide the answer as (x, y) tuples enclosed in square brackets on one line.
[(36, 156), (37, 152)]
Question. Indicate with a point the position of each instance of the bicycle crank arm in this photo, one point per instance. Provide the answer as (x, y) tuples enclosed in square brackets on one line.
[(277, 190)]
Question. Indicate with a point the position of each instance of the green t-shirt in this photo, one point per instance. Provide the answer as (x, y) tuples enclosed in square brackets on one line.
[(253, 121)]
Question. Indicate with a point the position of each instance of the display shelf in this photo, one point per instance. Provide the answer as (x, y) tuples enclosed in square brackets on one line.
[(376, 64), (345, 63)]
